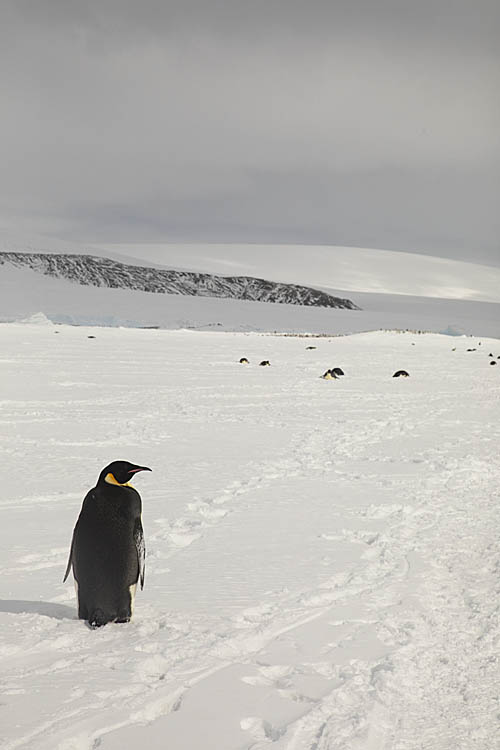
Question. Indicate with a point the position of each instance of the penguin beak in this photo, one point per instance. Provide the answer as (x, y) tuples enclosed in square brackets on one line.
[(140, 468)]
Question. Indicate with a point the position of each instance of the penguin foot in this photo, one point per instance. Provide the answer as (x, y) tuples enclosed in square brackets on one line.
[(123, 615), (97, 620)]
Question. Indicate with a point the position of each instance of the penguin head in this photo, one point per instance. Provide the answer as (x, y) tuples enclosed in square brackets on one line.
[(120, 472)]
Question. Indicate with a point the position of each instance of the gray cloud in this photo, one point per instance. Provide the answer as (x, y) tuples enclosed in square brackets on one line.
[(361, 123)]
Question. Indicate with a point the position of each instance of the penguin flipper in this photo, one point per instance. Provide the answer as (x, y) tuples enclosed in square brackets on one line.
[(141, 549), (70, 560)]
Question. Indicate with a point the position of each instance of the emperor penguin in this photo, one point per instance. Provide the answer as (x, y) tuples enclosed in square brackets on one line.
[(107, 550)]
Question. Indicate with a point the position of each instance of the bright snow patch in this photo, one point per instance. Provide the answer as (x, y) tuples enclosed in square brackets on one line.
[(322, 556)]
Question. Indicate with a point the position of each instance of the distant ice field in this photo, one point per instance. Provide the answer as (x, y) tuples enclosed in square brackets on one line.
[(348, 269), (322, 555), (351, 269), (24, 293)]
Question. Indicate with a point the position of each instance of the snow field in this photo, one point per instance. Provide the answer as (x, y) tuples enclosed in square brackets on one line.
[(322, 556)]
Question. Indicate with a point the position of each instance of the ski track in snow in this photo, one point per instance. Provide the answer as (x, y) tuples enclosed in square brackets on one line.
[(322, 556)]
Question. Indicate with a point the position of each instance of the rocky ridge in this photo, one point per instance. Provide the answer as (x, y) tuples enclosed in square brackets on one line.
[(90, 270)]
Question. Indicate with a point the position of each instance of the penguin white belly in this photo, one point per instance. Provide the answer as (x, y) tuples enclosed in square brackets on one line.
[(132, 589)]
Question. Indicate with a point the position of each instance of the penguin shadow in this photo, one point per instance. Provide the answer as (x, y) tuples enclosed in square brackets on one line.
[(48, 609)]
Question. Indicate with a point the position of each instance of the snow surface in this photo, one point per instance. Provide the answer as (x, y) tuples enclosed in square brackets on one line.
[(350, 269), (322, 556), (24, 293)]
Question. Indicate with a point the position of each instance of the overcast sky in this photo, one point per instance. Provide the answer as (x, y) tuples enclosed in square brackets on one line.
[(370, 123)]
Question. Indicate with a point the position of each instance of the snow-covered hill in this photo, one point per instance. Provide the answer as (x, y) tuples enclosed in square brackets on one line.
[(322, 556), (118, 299), (91, 270), (24, 293), (350, 269)]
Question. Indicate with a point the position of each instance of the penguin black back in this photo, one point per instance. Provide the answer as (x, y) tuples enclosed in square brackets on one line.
[(107, 551), (401, 374)]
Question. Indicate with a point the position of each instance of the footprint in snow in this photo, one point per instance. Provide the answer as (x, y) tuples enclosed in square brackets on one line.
[(273, 675), (280, 677), (351, 535), (254, 614), (260, 729), (207, 510)]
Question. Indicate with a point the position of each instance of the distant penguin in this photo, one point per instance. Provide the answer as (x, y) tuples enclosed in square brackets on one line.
[(310, 347), (265, 363), (107, 550), (493, 362), (337, 371), (244, 361), (329, 375), (470, 350), (401, 374), (490, 354), (454, 349), (91, 337)]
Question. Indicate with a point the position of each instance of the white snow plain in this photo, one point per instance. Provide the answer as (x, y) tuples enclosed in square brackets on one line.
[(322, 555)]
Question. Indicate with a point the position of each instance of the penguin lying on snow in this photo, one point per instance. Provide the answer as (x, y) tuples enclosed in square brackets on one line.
[(310, 347), (493, 362), (244, 361), (265, 363), (329, 375), (401, 374), (107, 550)]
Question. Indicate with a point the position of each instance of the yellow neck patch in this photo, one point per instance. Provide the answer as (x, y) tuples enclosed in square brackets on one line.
[(110, 479)]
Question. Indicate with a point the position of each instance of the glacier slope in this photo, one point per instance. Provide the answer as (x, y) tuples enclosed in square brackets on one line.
[(352, 269)]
